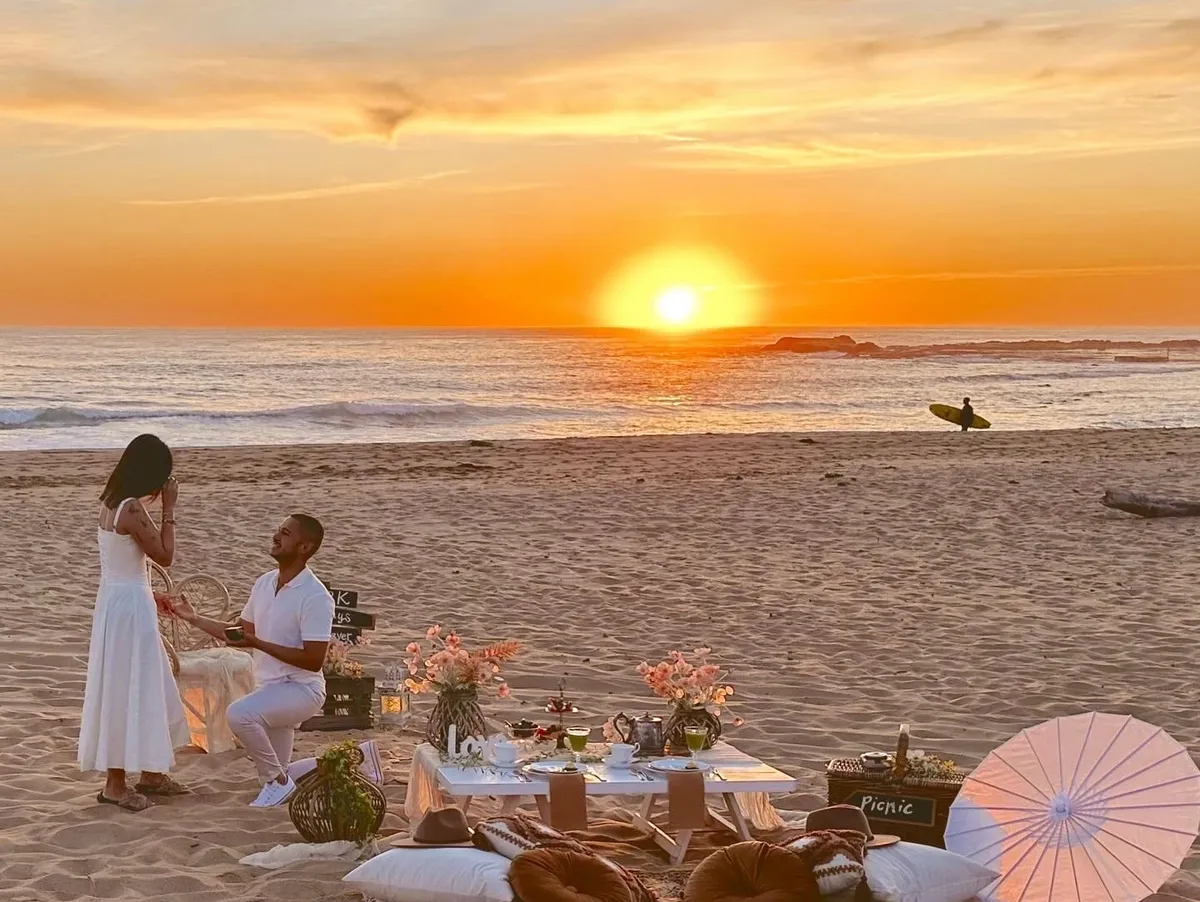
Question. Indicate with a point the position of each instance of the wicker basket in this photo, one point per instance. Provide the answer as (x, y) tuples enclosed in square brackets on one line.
[(913, 809), (314, 814)]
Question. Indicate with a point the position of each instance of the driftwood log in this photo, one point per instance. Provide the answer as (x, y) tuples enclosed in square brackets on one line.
[(1145, 506)]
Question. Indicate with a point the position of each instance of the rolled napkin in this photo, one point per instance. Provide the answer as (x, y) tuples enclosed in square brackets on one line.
[(568, 802), (686, 809)]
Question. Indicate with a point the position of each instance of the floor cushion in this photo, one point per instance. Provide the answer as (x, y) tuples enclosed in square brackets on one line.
[(752, 872)]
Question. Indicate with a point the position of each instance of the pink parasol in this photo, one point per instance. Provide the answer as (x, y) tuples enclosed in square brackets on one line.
[(1094, 808)]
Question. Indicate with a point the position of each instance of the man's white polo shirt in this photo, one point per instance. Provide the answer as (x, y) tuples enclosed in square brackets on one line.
[(302, 611)]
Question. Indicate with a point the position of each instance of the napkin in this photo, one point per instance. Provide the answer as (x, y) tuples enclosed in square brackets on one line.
[(686, 809), (568, 802)]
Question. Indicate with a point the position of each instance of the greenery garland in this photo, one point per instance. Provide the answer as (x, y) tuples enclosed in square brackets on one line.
[(350, 806)]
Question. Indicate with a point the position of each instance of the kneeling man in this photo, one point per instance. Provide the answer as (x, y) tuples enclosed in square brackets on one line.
[(288, 622)]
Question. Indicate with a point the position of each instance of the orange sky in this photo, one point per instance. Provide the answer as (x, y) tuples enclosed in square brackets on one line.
[(492, 163)]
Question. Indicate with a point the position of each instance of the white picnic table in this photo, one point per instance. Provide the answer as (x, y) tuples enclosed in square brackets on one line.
[(734, 774)]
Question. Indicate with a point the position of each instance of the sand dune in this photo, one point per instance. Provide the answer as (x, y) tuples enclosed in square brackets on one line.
[(969, 585)]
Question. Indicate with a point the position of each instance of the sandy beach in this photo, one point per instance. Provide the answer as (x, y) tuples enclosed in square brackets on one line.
[(968, 585)]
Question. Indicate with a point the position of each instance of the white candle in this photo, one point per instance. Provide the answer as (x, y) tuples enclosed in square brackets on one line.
[(452, 740)]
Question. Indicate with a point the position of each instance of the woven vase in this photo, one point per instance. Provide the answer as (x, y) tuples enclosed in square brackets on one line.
[(460, 708), (312, 811), (691, 716)]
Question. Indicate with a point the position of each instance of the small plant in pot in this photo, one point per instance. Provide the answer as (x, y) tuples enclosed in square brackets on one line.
[(336, 802)]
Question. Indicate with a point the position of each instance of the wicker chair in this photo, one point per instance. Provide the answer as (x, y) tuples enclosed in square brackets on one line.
[(209, 674)]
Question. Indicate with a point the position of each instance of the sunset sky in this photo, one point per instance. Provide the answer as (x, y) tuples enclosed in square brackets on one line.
[(488, 163)]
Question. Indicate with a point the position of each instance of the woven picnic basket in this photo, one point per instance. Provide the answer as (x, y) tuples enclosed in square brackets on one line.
[(896, 803)]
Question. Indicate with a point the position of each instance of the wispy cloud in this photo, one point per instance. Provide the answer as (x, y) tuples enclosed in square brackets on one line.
[(301, 194), (783, 84), (514, 188)]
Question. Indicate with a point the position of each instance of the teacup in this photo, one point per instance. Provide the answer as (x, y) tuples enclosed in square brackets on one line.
[(621, 754), (504, 754)]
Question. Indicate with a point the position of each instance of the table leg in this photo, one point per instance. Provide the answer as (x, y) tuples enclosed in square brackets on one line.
[(509, 804), (676, 847), (543, 804), (739, 819), (465, 803)]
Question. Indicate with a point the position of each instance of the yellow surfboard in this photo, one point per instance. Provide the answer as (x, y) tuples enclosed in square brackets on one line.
[(954, 415)]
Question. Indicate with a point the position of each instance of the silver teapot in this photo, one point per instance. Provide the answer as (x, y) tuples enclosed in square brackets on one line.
[(646, 732)]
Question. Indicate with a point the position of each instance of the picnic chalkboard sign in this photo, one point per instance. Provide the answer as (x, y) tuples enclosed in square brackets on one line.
[(896, 809)]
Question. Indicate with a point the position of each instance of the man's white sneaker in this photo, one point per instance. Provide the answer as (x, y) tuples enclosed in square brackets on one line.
[(274, 793)]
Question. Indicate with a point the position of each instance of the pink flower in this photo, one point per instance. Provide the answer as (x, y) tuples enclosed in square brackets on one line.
[(413, 648), (503, 691), (433, 632)]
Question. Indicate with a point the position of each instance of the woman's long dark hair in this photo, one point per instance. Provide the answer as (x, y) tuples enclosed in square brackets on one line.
[(142, 470)]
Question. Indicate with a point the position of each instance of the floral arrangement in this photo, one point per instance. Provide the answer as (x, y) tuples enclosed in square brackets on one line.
[(338, 661), (694, 683), (930, 767), (451, 667)]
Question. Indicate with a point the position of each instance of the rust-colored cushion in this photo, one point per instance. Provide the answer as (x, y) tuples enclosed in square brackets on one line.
[(559, 875), (752, 872)]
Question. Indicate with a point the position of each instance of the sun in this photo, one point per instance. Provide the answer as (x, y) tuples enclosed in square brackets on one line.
[(679, 288), (677, 306)]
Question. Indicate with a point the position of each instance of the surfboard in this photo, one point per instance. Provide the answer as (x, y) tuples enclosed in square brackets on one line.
[(954, 415)]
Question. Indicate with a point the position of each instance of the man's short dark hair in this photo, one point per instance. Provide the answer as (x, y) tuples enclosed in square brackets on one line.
[(311, 528)]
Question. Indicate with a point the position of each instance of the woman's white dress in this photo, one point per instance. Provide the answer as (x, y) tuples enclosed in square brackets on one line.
[(133, 719)]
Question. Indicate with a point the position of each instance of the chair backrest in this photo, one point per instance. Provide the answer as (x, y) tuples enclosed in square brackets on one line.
[(208, 597), (160, 581)]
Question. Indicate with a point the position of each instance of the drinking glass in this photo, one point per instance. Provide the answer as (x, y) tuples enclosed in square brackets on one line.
[(577, 738), (695, 738)]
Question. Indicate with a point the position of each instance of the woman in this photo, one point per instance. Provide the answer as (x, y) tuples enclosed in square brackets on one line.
[(133, 719)]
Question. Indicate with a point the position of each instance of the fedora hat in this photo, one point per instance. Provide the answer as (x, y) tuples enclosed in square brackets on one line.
[(847, 817), (445, 828)]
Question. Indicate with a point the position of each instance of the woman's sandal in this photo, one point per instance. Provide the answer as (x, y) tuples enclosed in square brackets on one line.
[(167, 786), (130, 801)]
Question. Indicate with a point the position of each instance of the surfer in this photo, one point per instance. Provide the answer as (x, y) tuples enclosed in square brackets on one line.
[(967, 416)]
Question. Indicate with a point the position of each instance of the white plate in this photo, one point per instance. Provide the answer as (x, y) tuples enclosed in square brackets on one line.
[(678, 765), (554, 767)]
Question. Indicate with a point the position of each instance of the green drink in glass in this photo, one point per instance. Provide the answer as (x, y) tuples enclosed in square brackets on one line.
[(577, 739), (695, 737)]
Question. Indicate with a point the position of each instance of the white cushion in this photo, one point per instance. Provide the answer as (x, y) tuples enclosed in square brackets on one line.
[(503, 840), (433, 875), (909, 872)]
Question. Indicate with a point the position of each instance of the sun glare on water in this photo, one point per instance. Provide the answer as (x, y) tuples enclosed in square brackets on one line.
[(680, 289)]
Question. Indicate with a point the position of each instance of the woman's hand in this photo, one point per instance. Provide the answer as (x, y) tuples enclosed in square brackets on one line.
[(170, 494), (182, 608)]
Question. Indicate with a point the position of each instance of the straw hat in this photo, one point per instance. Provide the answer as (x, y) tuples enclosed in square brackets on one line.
[(847, 817), (443, 829)]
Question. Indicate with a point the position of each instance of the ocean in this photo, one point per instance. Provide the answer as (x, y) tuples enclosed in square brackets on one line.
[(97, 389)]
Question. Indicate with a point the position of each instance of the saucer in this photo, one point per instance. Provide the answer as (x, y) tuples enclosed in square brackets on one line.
[(624, 765)]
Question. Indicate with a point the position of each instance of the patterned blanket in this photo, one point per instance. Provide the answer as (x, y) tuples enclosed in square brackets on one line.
[(520, 832)]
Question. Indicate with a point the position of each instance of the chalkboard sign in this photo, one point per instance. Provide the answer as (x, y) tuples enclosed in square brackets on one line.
[(896, 809), (353, 617), (344, 598), (348, 621)]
